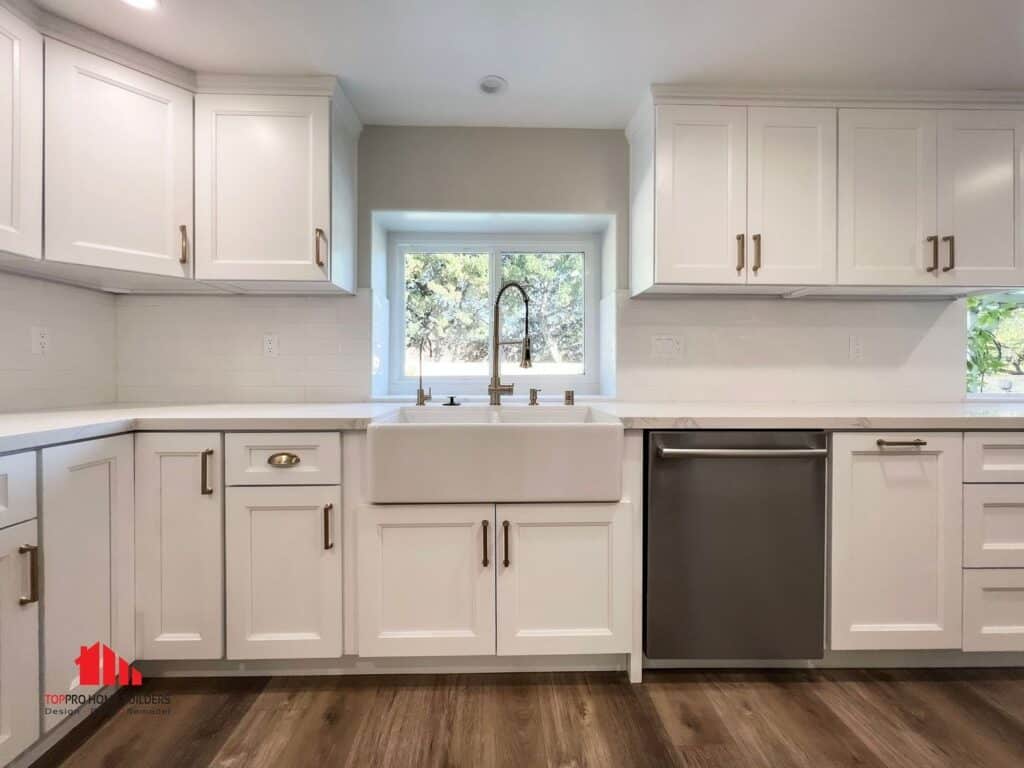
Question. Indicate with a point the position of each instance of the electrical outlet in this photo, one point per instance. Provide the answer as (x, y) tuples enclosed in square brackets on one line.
[(666, 347), (856, 349), (271, 345), (40, 340)]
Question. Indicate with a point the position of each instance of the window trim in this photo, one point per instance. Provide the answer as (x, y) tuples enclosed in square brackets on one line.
[(401, 242)]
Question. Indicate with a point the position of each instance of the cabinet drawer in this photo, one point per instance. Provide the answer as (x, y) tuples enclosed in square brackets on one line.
[(994, 610), (994, 526), (994, 457), (17, 488), (306, 458)]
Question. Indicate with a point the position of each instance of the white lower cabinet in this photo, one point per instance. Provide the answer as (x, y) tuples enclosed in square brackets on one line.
[(283, 569), (994, 609), (88, 574), (179, 545), (896, 541), (19, 639), (564, 578), (426, 580)]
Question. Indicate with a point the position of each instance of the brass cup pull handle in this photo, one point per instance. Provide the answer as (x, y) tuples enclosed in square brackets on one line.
[(204, 482), (741, 258), (934, 240), (318, 236), (915, 443), (952, 253), (283, 459), (486, 525), (33, 573), (506, 562), (183, 231), (328, 539)]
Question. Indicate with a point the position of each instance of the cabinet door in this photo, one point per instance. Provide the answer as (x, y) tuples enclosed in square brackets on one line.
[(564, 578), (19, 641), (887, 197), (179, 545), (283, 565), (980, 205), (426, 580), (896, 542), (17, 488), (21, 137), (263, 203), (87, 515), (118, 166), (994, 609), (700, 194), (791, 204)]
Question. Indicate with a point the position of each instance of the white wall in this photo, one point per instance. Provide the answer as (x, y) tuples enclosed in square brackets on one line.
[(79, 366), (797, 350), (178, 349)]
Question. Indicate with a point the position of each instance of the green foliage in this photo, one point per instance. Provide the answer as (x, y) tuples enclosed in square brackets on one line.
[(555, 284), (995, 342)]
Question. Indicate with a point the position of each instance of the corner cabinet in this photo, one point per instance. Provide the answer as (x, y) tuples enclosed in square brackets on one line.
[(275, 189), (897, 524)]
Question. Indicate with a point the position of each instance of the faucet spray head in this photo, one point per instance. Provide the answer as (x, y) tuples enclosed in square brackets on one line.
[(527, 362)]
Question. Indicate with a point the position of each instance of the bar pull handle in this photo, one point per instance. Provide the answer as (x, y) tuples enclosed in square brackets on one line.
[(952, 253), (916, 443), (757, 252), (204, 482), (681, 453), (328, 541), (33, 573), (318, 236), (486, 525), (506, 562), (741, 257), (934, 240), (183, 231)]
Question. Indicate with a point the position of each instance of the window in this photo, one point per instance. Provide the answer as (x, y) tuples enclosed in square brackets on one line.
[(442, 298), (995, 344)]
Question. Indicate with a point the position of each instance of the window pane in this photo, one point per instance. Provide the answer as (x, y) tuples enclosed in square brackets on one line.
[(555, 284), (995, 345), (446, 298)]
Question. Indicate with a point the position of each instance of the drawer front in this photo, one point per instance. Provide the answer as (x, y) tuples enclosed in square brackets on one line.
[(994, 457), (282, 458), (994, 526), (17, 488), (994, 610)]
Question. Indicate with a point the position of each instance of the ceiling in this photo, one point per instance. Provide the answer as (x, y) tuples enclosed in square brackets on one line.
[(574, 63)]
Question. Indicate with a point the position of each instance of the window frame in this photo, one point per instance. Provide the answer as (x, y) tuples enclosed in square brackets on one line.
[(400, 243)]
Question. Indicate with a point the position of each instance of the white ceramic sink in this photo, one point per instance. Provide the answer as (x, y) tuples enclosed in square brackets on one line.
[(505, 453)]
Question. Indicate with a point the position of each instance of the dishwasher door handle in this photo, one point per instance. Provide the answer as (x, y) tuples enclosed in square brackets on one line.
[(685, 453)]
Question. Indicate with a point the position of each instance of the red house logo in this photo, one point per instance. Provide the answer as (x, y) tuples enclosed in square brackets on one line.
[(115, 669)]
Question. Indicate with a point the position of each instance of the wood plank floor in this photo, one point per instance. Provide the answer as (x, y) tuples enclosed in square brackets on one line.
[(824, 719)]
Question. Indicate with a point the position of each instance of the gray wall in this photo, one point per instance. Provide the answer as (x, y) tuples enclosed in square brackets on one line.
[(534, 170)]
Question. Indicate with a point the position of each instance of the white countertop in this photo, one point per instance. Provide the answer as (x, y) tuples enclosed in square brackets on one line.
[(23, 430)]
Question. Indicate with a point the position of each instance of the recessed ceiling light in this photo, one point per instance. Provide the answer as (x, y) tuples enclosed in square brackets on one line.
[(146, 5), (493, 84)]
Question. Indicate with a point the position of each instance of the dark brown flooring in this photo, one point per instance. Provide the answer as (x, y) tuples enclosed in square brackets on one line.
[(827, 719)]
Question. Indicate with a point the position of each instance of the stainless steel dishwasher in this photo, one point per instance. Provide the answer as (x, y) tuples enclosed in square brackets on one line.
[(735, 545)]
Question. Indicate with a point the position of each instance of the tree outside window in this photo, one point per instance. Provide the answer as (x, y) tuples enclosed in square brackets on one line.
[(995, 345)]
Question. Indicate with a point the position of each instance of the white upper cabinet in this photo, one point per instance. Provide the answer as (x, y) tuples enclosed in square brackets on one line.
[(700, 194), (118, 166), (887, 197), (21, 137), (980, 202), (791, 196)]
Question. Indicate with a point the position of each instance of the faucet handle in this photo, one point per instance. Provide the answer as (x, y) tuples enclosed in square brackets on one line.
[(533, 396)]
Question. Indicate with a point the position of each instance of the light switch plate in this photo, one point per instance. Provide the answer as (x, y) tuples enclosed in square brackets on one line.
[(666, 347), (856, 349)]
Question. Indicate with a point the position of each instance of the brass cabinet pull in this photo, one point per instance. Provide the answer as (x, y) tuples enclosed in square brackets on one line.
[(204, 482), (916, 443), (33, 573), (757, 252), (952, 253), (328, 541), (934, 240), (485, 524), (283, 459), (741, 258), (183, 231), (318, 235), (506, 562)]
